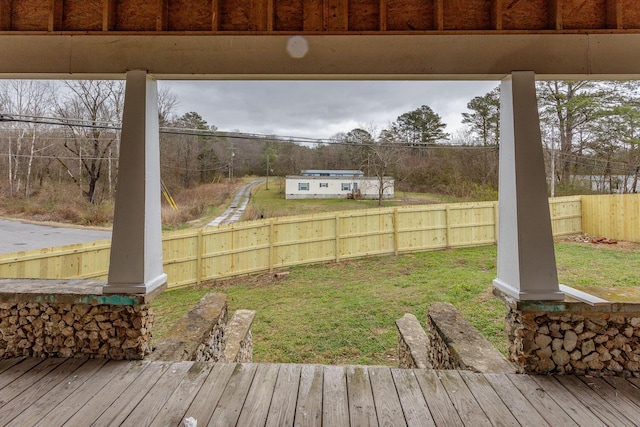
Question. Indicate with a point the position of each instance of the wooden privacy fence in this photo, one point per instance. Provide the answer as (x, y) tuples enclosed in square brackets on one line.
[(192, 256), (616, 216)]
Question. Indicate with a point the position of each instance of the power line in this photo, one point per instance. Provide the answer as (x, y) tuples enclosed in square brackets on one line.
[(39, 156), (83, 123), (75, 122)]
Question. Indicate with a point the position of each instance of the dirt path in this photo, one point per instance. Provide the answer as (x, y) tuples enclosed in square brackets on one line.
[(238, 205)]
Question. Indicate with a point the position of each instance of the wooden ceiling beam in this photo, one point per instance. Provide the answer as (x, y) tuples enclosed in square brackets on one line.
[(5, 15), (108, 15), (383, 15), (555, 14), (162, 15), (438, 15), (496, 14), (271, 15), (340, 57), (215, 15), (55, 15), (614, 13)]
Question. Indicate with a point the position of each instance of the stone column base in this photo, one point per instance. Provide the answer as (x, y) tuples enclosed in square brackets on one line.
[(568, 337)]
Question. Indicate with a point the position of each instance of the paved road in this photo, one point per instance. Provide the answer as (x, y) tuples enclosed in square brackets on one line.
[(238, 205), (20, 236)]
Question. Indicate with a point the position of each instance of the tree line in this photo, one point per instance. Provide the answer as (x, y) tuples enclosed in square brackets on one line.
[(68, 131)]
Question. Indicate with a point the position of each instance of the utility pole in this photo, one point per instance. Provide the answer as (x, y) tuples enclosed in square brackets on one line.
[(231, 163)]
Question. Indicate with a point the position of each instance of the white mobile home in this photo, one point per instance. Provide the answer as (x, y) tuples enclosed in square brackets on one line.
[(331, 184)]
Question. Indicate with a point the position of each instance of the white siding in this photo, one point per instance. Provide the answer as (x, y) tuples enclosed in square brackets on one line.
[(328, 187)]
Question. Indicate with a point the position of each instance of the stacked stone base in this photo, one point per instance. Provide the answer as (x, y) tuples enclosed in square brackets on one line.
[(574, 338), (455, 344), (452, 343), (206, 333), (75, 330), (73, 318)]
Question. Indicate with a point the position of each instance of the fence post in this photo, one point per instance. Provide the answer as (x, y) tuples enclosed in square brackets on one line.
[(232, 268), (271, 243), (396, 230), (337, 227), (200, 249), (447, 226), (583, 219)]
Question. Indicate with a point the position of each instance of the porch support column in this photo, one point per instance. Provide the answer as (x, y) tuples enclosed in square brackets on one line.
[(526, 258), (136, 244)]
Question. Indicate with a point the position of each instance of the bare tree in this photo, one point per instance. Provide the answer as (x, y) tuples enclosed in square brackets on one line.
[(384, 156), (96, 103), (569, 106), (167, 104), (23, 100)]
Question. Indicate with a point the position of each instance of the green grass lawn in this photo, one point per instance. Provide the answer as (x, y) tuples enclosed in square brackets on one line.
[(344, 313)]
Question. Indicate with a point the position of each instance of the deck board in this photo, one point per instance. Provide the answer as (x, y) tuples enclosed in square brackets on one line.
[(335, 408), (171, 412), (610, 413), (157, 396), (207, 399), (518, 405), (285, 396), (25, 382), (255, 410), (440, 405), (58, 394), (497, 412), (309, 406), (75, 392), (9, 411), (463, 400), (624, 405), (541, 400), (132, 395), (362, 411), (80, 396), (17, 371), (570, 403), (625, 387), (387, 404), (8, 363), (414, 406), (92, 409), (233, 397)]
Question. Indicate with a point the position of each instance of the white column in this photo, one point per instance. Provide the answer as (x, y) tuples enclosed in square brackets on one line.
[(136, 244), (526, 258)]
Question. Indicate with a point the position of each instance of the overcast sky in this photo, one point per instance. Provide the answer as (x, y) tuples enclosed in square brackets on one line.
[(320, 109)]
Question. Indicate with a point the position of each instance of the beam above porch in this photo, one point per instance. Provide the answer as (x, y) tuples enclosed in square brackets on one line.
[(336, 57)]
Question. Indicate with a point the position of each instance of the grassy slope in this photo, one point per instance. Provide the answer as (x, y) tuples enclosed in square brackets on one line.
[(344, 313)]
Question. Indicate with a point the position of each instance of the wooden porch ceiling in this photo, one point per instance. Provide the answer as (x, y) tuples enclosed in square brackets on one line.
[(318, 16), (347, 39)]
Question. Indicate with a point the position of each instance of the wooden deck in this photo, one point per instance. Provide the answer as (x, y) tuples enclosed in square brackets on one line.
[(76, 392)]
